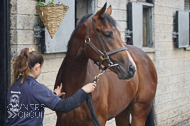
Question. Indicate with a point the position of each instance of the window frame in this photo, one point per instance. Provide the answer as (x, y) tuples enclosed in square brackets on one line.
[(149, 18)]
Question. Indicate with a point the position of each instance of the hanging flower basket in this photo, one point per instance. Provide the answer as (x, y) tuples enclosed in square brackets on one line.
[(52, 15)]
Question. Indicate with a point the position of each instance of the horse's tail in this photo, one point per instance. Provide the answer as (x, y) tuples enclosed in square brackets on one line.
[(150, 120)]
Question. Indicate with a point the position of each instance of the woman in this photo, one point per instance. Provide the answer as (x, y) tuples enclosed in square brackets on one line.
[(27, 98)]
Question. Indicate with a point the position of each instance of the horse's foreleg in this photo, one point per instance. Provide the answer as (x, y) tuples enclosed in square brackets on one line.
[(102, 119), (123, 118), (139, 113)]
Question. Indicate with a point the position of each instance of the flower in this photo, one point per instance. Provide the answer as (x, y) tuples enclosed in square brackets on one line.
[(50, 2)]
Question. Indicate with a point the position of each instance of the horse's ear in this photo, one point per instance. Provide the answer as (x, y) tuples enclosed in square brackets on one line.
[(100, 13), (109, 10)]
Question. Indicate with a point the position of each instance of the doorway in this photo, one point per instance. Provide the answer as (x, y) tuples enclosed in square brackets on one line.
[(4, 56)]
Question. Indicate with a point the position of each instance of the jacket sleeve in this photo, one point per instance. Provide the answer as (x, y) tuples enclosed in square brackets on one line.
[(69, 104)]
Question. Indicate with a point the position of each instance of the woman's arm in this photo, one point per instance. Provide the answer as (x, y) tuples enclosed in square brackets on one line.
[(69, 104), (66, 105)]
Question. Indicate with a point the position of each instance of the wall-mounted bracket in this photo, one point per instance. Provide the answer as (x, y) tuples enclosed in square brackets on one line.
[(128, 33), (174, 34), (37, 31)]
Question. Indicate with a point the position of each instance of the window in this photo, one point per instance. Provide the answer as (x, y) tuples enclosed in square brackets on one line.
[(181, 27), (140, 23), (147, 27), (84, 7)]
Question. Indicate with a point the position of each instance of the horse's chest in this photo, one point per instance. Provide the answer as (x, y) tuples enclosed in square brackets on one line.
[(78, 117)]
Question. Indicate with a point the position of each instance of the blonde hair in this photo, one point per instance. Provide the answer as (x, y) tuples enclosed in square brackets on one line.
[(24, 62)]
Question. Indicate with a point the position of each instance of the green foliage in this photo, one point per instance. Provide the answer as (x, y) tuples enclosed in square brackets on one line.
[(40, 4), (50, 2)]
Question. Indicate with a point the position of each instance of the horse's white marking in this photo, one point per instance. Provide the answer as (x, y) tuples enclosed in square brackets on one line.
[(131, 59), (129, 56)]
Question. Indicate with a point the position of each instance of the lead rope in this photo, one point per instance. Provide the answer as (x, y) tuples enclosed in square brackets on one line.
[(90, 104), (92, 112), (89, 99)]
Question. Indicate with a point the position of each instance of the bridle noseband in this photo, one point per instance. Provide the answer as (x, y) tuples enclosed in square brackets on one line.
[(102, 54)]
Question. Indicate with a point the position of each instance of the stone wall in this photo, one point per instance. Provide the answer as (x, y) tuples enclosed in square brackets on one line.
[(173, 65)]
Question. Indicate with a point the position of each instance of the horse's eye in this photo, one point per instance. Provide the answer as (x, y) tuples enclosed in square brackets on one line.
[(108, 34)]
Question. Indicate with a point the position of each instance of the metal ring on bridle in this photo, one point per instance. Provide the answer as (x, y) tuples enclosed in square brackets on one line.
[(87, 40)]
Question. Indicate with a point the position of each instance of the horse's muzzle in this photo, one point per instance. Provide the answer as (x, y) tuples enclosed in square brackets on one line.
[(125, 74)]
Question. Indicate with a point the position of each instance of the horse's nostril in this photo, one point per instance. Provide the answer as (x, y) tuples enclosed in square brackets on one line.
[(131, 69)]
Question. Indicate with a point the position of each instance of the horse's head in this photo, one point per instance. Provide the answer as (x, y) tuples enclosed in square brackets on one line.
[(104, 44)]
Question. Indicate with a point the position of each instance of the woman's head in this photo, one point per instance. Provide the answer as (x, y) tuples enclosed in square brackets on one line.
[(28, 61)]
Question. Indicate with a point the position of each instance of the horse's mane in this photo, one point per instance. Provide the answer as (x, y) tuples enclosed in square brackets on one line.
[(106, 18)]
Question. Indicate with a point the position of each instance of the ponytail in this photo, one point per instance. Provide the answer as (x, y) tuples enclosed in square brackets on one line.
[(23, 63)]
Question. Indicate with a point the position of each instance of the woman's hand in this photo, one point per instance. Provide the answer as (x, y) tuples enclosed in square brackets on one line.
[(58, 91), (89, 88)]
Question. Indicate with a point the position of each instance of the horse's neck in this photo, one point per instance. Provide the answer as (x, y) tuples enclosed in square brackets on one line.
[(75, 64)]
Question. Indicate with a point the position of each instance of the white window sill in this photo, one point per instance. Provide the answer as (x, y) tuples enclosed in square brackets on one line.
[(187, 48), (148, 49)]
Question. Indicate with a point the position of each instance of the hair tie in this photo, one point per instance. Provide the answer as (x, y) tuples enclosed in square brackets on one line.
[(31, 49)]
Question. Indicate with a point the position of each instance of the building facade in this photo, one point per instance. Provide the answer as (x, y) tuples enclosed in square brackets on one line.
[(172, 104)]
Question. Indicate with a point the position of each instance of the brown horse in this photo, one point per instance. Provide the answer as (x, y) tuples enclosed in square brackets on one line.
[(128, 90)]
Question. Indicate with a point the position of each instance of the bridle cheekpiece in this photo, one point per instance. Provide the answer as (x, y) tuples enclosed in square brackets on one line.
[(102, 54)]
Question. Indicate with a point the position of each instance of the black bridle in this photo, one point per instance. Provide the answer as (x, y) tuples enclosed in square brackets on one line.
[(102, 54)]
